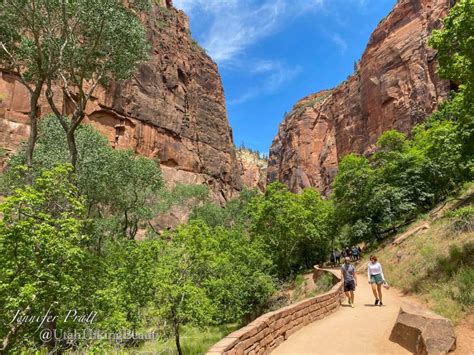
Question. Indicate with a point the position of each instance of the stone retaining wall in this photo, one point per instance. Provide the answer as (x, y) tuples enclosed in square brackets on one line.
[(271, 329)]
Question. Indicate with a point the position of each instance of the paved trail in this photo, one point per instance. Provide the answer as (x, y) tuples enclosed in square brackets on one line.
[(364, 329)]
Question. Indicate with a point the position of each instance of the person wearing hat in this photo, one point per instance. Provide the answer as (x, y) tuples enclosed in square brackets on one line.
[(349, 278)]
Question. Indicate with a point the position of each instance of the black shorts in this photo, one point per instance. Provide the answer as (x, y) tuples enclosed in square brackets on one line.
[(349, 286)]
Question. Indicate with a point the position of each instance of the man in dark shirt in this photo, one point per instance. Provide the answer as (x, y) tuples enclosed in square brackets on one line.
[(349, 278)]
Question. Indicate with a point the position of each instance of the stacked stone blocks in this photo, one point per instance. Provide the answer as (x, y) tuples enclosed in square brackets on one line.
[(271, 329)]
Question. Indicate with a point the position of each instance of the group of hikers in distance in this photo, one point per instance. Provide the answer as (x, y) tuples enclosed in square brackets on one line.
[(353, 254), (374, 275)]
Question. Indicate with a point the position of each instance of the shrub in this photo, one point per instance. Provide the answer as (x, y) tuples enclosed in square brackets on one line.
[(461, 220), (465, 280), (324, 283)]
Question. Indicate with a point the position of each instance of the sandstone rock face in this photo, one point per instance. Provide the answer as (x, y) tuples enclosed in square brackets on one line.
[(173, 108), (423, 332), (253, 169), (394, 87)]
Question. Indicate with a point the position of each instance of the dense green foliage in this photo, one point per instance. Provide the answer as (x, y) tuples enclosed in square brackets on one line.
[(295, 229), (120, 188), (455, 46), (68, 242), (403, 179), (42, 258)]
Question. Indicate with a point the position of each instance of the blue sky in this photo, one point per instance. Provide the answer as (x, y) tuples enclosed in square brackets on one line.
[(271, 53)]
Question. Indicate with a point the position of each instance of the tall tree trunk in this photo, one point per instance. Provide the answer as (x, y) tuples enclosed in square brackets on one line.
[(50, 329), (176, 337), (71, 143), (32, 138), (76, 120)]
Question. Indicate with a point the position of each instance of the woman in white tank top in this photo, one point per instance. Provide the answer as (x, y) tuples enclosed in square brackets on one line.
[(376, 279)]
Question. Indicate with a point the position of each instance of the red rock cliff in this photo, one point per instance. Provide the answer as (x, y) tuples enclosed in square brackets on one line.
[(394, 87), (253, 169), (173, 108)]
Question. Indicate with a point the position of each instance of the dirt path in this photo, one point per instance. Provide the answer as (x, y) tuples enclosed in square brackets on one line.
[(364, 329)]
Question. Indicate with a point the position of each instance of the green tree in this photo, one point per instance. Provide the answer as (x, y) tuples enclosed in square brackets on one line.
[(321, 214), (455, 46), (99, 41), (233, 214), (129, 269), (42, 253), (75, 45), (210, 276), (188, 261), (27, 46), (287, 225), (133, 182), (121, 188), (352, 188), (243, 284), (443, 165)]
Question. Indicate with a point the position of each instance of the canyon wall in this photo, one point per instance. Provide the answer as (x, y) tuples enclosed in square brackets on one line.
[(173, 108), (253, 169), (394, 87)]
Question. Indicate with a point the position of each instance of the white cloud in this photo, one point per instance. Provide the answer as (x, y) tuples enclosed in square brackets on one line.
[(231, 27), (339, 41), (237, 24), (270, 75)]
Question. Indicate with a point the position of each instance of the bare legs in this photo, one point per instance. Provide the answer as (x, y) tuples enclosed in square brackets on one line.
[(377, 291), (350, 297)]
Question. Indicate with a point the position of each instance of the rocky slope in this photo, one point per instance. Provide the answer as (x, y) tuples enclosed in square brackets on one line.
[(173, 108), (394, 87), (253, 169)]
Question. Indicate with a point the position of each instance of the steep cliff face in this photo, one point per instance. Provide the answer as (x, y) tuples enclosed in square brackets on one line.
[(253, 169), (394, 87), (173, 108)]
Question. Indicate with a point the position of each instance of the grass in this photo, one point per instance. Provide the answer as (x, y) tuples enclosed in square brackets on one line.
[(299, 108), (161, 24), (324, 283), (436, 264), (461, 220), (300, 288), (196, 46), (165, 11), (194, 341)]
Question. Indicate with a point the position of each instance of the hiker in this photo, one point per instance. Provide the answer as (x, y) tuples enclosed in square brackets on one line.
[(333, 258), (355, 253), (348, 252), (349, 277), (337, 255), (376, 279)]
